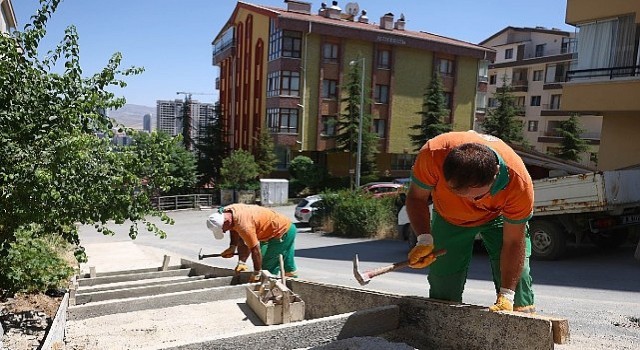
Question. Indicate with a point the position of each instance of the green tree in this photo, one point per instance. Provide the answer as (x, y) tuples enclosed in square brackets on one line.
[(306, 172), (56, 171), (571, 145), (163, 161), (264, 153), (502, 121), (434, 109), (347, 125), (212, 150), (239, 171)]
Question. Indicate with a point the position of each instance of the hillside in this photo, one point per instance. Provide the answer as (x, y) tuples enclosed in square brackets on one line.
[(131, 115)]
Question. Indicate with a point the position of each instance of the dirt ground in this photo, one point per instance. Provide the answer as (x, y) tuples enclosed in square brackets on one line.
[(28, 306), (29, 302)]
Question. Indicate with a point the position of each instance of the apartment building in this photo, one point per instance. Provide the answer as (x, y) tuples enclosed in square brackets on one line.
[(283, 69), (171, 116), (7, 16), (534, 62), (606, 76)]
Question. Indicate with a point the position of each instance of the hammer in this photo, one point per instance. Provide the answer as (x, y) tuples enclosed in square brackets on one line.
[(202, 256), (364, 278)]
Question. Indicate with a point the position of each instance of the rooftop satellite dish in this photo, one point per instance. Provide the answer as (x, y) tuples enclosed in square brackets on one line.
[(352, 8)]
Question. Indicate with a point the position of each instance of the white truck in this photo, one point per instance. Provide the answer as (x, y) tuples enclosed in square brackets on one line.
[(600, 207)]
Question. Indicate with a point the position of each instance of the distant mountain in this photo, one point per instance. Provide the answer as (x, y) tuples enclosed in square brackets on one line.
[(131, 115)]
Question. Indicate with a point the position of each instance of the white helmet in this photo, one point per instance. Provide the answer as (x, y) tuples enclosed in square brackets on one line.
[(214, 223)]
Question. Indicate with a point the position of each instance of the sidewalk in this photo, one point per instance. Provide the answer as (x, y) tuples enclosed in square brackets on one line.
[(119, 256)]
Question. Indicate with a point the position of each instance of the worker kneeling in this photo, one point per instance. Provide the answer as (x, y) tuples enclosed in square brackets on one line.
[(257, 231)]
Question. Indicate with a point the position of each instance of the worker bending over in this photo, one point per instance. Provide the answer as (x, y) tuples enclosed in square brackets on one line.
[(478, 185), (257, 231)]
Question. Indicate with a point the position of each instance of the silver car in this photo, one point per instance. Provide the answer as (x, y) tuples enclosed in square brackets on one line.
[(304, 210)]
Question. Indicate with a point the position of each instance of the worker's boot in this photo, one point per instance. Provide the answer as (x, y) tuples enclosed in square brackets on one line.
[(529, 309), (292, 274)]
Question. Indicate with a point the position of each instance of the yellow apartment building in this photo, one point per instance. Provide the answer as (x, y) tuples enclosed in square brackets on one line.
[(283, 69)]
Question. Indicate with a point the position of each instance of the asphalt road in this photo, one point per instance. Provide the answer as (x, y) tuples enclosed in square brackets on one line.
[(597, 291)]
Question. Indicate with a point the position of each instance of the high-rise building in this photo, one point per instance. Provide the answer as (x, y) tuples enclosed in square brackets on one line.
[(606, 75), (7, 16), (171, 116), (285, 70), (534, 62), (146, 122)]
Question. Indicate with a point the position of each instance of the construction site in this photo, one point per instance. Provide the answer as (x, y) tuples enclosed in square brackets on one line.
[(193, 305)]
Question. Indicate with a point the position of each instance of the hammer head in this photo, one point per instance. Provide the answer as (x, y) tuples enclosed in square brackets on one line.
[(363, 280), (200, 254)]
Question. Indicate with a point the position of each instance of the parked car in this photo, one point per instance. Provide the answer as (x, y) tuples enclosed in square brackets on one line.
[(306, 208), (406, 232), (383, 189)]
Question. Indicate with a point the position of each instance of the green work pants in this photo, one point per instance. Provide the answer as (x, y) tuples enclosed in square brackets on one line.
[(272, 249), (448, 274)]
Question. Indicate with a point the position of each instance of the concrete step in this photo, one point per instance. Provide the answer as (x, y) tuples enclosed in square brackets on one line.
[(140, 283), (134, 271), (109, 307), (83, 282), (83, 297)]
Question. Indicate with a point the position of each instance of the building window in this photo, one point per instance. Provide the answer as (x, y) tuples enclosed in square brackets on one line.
[(283, 157), (556, 72), (492, 79), (483, 71), (492, 102), (290, 83), (445, 67), (535, 100), (329, 89), (282, 120), (381, 94), (554, 103), (273, 84), (380, 127), (537, 75), (330, 52), (508, 54), (402, 161), (291, 44), (448, 99), (275, 41), (552, 128), (283, 83), (384, 59), (328, 125), (532, 125), (540, 50), (520, 101)]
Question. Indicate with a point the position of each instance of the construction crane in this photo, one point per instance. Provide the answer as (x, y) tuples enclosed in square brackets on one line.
[(187, 118)]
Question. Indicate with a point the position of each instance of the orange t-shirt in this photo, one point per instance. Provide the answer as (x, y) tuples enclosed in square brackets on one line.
[(511, 195), (257, 224)]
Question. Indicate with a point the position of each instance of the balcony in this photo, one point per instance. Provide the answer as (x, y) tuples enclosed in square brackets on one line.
[(604, 73), (603, 89), (222, 52), (552, 136), (520, 85)]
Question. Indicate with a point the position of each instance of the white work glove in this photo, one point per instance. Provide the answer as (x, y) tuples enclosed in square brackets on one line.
[(504, 300), (423, 248)]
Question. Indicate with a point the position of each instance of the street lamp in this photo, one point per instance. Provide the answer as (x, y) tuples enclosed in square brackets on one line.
[(359, 154)]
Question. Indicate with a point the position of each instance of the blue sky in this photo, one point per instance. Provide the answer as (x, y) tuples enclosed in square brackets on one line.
[(172, 39)]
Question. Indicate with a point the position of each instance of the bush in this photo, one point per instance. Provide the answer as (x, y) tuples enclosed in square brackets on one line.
[(32, 263), (355, 214), (240, 171)]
